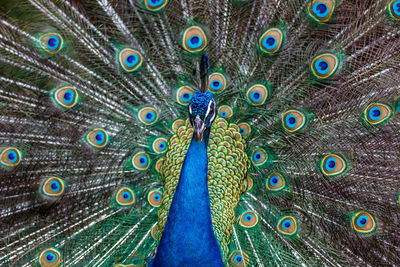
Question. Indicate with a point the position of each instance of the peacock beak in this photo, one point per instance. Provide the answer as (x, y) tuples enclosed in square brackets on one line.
[(198, 127)]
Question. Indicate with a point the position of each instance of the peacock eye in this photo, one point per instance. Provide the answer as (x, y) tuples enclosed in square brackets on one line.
[(97, 138), (216, 82), (239, 258), (363, 222), (394, 9), (225, 111), (248, 219), (125, 196), (184, 94), (155, 5), (287, 226), (160, 145), (259, 157), (53, 187), (271, 41), (332, 165), (66, 97), (377, 113), (154, 197), (293, 120), (141, 161), (324, 66), (130, 59), (10, 157), (51, 42), (321, 10), (148, 115), (275, 182), (257, 94), (50, 258), (194, 39)]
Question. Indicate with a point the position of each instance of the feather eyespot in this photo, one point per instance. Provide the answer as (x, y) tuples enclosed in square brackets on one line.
[(216, 82), (184, 94), (154, 198), (293, 120), (363, 222), (125, 196), (148, 115), (155, 5), (275, 182), (244, 129), (66, 97), (332, 165), (51, 42), (225, 111), (194, 39), (50, 258), (249, 183), (287, 226), (324, 66), (53, 187), (248, 219), (159, 164), (10, 157), (141, 161), (259, 157), (239, 258), (321, 10), (257, 94), (97, 138), (394, 9), (130, 59), (160, 145), (271, 41), (377, 113), (154, 231)]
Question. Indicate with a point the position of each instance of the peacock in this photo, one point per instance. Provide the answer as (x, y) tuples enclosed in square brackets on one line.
[(200, 133)]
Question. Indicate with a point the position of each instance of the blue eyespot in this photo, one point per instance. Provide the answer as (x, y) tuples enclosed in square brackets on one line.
[(248, 217), (238, 258), (150, 116), (375, 113), (143, 160), (50, 256), (216, 85), (126, 196), (186, 97), (157, 197), (257, 156), (53, 42), (55, 186), (99, 137), (320, 9), (195, 41), (362, 221), (223, 114), (255, 96), (131, 60), (242, 131), (162, 145), (322, 66), (330, 164), (286, 224), (290, 121), (69, 96), (12, 156), (274, 180), (155, 3), (269, 42)]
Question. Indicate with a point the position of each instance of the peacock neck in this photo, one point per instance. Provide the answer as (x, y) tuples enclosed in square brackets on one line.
[(188, 238)]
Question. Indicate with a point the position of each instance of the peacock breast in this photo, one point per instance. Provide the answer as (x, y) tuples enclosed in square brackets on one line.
[(227, 168)]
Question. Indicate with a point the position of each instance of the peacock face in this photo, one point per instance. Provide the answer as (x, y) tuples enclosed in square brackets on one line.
[(201, 113)]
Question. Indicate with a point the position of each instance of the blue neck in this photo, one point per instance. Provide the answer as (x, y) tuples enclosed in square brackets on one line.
[(188, 238)]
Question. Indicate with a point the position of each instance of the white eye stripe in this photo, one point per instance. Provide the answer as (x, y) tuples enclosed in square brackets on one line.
[(190, 109), (209, 107)]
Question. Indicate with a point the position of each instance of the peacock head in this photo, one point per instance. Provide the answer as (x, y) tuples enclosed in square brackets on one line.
[(202, 114)]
